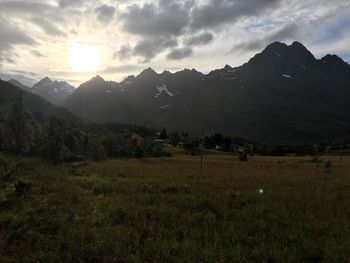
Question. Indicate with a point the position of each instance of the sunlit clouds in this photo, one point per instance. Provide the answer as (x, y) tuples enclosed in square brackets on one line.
[(74, 40)]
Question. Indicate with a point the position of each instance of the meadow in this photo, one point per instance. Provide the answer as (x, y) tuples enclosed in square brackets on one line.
[(269, 209)]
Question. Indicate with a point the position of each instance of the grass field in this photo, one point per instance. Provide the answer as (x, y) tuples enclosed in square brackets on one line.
[(291, 209)]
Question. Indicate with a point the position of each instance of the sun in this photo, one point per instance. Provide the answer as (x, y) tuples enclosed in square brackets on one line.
[(84, 58)]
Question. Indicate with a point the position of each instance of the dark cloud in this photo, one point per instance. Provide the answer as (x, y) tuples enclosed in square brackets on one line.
[(36, 53), (150, 48), (47, 26), (180, 53), (23, 72), (11, 35), (123, 53), (8, 60), (105, 13), (24, 7), (218, 12), (175, 18), (69, 3), (201, 39), (165, 18), (287, 32), (48, 19)]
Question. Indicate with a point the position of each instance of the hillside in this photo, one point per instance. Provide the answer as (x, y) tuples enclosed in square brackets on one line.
[(40, 108), (282, 95)]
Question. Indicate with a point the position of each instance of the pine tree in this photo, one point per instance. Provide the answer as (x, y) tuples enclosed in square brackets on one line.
[(95, 149), (56, 151), (18, 128), (163, 135), (174, 138)]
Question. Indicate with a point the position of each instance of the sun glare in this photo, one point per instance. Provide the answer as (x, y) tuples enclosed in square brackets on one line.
[(84, 58)]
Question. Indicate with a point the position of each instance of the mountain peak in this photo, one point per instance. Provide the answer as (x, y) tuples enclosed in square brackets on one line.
[(97, 78), (166, 73), (227, 67), (44, 81), (148, 73), (129, 78), (279, 54), (275, 47), (298, 44), (333, 59), (94, 83)]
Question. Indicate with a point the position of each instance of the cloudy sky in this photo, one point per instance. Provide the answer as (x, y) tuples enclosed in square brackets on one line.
[(74, 40)]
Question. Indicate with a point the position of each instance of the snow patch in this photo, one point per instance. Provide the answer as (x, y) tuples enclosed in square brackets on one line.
[(287, 76), (109, 91), (162, 89), (303, 67), (278, 54), (164, 107)]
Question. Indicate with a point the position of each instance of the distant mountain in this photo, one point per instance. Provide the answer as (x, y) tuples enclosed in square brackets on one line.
[(40, 108), (284, 94), (20, 85), (53, 91)]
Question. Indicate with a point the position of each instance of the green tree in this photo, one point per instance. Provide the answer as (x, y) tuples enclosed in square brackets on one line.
[(56, 151), (174, 138), (39, 140), (96, 149), (18, 128), (163, 135), (139, 152)]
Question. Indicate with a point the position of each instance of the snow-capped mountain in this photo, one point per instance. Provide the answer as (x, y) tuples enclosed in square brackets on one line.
[(52, 90), (284, 94)]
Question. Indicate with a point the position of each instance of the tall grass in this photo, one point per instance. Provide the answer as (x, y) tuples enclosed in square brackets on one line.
[(167, 210)]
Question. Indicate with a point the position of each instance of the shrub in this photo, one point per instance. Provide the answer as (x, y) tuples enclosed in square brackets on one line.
[(139, 153), (243, 156)]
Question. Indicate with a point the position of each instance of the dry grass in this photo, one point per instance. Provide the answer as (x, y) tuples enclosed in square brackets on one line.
[(167, 210)]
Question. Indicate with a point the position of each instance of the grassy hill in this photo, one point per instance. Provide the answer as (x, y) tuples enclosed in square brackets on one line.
[(291, 209)]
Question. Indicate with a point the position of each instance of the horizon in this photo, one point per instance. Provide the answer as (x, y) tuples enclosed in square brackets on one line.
[(115, 40)]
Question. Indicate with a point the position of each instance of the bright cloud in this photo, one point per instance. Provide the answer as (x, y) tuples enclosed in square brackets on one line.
[(71, 39)]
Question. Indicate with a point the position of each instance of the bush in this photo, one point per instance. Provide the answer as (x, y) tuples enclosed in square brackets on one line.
[(139, 153), (243, 156), (96, 150)]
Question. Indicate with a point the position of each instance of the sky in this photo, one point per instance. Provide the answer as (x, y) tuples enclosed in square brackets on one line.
[(74, 40)]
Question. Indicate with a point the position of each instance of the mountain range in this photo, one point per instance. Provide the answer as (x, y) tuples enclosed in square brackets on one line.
[(51, 90), (40, 108), (282, 95)]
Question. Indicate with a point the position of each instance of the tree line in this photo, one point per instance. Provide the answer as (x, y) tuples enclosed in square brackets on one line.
[(58, 140)]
